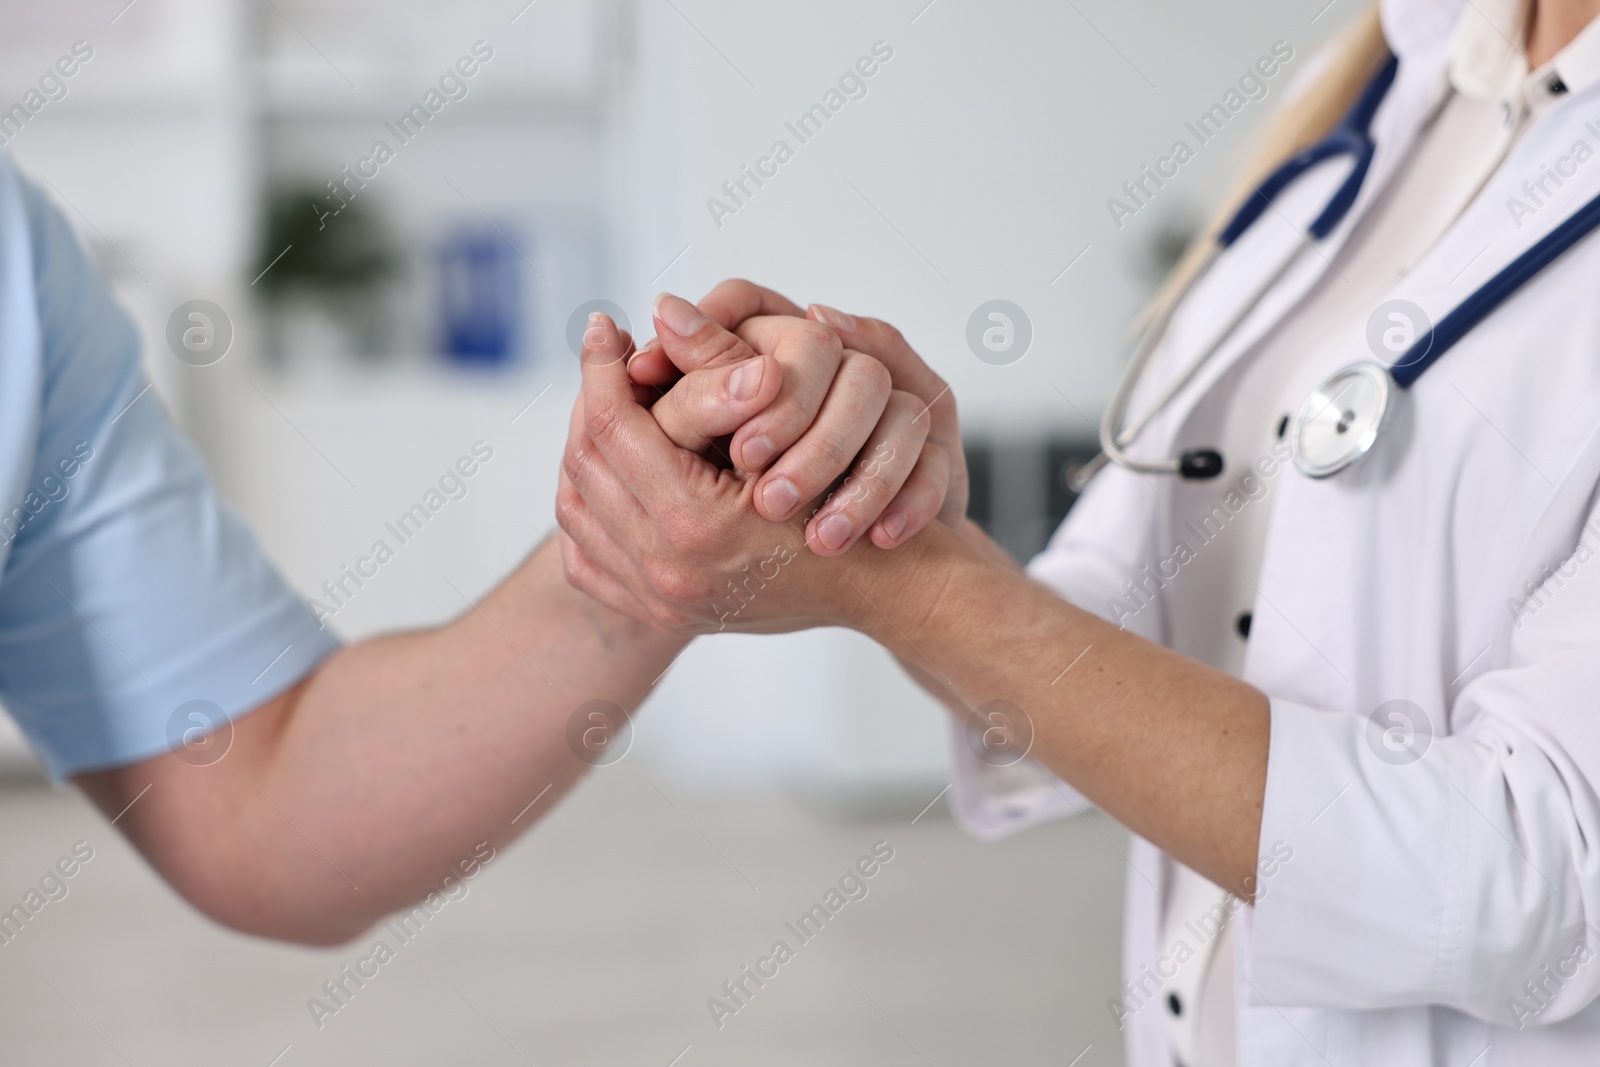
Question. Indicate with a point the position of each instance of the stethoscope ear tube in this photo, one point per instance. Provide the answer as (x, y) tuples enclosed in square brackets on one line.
[(1114, 437), (1350, 138)]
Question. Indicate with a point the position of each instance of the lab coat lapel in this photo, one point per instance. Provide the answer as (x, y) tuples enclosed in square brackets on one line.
[(1521, 204)]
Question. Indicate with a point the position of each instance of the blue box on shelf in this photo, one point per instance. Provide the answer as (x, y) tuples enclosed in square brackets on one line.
[(480, 296)]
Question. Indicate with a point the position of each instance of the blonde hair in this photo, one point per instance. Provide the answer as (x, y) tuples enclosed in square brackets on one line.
[(1357, 55)]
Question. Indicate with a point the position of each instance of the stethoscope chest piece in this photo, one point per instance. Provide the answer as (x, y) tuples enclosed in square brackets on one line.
[(1341, 419)]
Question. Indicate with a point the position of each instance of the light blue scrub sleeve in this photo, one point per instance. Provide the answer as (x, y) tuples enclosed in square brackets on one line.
[(128, 588)]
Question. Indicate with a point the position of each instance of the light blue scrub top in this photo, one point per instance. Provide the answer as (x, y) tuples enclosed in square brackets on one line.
[(127, 589)]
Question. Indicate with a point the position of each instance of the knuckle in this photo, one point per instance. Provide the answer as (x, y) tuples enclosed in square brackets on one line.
[(580, 460), (573, 571), (882, 333), (908, 404), (818, 336), (569, 505), (713, 348), (575, 460), (914, 411), (724, 347), (827, 461), (863, 496), (871, 372), (601, 421), (677, 585), (699, 390)]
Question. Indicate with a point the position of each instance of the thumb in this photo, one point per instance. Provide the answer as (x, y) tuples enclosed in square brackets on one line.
[(712, 401), (728, 305), (623, 432), (650, 367), (692, 341)]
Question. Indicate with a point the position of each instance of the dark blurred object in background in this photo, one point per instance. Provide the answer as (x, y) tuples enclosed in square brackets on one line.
[(326, 277), (1020, 488)]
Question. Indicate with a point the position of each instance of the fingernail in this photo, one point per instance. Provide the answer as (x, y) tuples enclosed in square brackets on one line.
[(837, 319), (745, 381), (894, 525), (595, 335), (678, 315), (833, 531), (757, 453), (781, 497)]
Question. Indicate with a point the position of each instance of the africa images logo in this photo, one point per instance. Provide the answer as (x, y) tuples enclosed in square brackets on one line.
[(852, 85), (1253, 84)]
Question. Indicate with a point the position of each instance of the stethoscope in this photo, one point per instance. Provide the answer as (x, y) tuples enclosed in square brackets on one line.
[(1342, 418)]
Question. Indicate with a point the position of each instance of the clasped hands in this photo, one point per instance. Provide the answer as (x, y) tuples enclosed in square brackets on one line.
[(749, 467)]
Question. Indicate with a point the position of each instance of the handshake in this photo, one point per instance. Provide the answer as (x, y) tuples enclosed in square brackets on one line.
[(717, 477), (757, 467)]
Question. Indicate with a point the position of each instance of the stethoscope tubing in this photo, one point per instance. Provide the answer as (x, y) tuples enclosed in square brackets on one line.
[(1464, 317), (1113, 440), (1405, 371), (1352, 138)]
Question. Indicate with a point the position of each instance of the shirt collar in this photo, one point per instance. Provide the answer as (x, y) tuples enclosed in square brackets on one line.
[(1415, 28), (1578, 64), (1486, 60)]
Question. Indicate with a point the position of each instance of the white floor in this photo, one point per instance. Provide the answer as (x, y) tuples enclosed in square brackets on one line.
[(596, 940)]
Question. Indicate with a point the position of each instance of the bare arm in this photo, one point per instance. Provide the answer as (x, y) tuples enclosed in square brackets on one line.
[(360, 789), (401, 759), (1175, 750)]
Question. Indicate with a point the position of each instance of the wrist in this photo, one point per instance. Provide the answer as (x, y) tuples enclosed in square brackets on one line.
[(893, 595), (537, 603)]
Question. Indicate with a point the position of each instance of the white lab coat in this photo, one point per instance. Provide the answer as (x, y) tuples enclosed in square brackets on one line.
[(1420, 896)]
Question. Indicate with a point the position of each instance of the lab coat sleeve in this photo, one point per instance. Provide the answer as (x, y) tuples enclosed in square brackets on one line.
[(1100, 547), (1468, 876)]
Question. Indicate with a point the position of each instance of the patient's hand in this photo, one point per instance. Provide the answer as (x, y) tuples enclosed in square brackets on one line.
[(667, 536)]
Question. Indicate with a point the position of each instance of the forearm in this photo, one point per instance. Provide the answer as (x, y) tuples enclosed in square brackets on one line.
[(972, 535), (409, 750), (360, 790), (1173, 749)]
